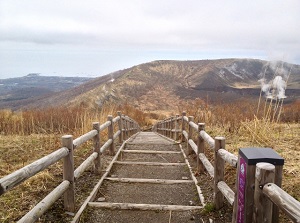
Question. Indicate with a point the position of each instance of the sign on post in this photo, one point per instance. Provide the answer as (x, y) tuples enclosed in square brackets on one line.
[(248, 158)]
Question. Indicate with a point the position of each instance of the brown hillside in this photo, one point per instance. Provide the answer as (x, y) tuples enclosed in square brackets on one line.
[(156, 85)]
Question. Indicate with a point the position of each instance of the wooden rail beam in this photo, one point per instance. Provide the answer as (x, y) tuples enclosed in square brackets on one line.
[(193, 145), (106, 145), (226, 191), (228, 157), (17, 177), (82, 139), (104, 126), (115, 119), (289, 205), (85, 164), (207, 164), (45, 204), (185, 135), (193, 125), (153, 207), (208, 139)]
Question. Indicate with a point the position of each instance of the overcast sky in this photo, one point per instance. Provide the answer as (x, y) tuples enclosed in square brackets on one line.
[(96, 37)]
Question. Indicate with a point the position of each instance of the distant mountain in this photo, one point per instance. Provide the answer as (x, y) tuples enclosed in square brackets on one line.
[(160, 85), (18, 90)]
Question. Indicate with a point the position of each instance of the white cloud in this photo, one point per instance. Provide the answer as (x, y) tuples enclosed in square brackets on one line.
[(200, 26)]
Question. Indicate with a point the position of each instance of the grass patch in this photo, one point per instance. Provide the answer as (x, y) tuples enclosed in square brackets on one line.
[(208, 208)]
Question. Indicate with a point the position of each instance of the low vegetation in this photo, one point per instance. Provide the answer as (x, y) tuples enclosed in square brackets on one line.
[(29, 135)]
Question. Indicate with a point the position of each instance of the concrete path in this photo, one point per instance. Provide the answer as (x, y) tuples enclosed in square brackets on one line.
[(150, 181)]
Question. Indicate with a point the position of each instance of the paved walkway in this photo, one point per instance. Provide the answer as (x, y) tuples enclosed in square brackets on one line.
[(150, 181)]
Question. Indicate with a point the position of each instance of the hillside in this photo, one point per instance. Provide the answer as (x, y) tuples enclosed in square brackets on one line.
[(157, 85), (18, 90)]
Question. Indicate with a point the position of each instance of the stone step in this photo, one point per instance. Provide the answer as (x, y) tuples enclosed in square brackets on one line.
[(136, 216), (159, 157), (151, 172), (145, 193), (149, 138), (158, 147)]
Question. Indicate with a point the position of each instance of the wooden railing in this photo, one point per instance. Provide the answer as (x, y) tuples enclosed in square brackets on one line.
[(185, 127), (126, 127), (265, 187)]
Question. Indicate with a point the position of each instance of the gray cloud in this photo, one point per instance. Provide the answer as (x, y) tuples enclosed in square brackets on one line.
[(267, 27)]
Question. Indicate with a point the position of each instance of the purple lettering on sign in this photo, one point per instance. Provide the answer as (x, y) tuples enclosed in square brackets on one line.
[(241, 191)]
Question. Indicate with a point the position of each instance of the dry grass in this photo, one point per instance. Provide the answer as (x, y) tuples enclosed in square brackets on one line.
[(243, 129), (16, 152), (61, 120), (29, 135)]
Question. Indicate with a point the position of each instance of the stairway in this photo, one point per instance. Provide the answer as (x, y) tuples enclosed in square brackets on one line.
[(150, 181)]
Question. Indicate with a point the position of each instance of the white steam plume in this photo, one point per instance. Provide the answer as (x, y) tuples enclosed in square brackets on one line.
[(279, 86), (275, 89)]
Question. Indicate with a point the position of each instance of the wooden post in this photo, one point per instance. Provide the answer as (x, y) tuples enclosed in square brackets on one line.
[(68, 174), (219, 172), (133, 131), (125, 128), (167, 128), (262, 209), (96, 138), (111, 135), (244, 197), (200, 145), (183, 126), (190, 134), (278, 182), (172, 127), (130, 128), (158, 128), (136, 125), (176, 128), (120, 124)]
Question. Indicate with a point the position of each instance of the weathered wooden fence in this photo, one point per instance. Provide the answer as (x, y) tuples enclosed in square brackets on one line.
[(126, 127), (264, 209)]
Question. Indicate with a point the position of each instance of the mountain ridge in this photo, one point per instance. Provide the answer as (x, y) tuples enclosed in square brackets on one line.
[(159, 84)]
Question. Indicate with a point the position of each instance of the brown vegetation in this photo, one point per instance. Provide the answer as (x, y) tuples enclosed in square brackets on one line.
[(29, 135)]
